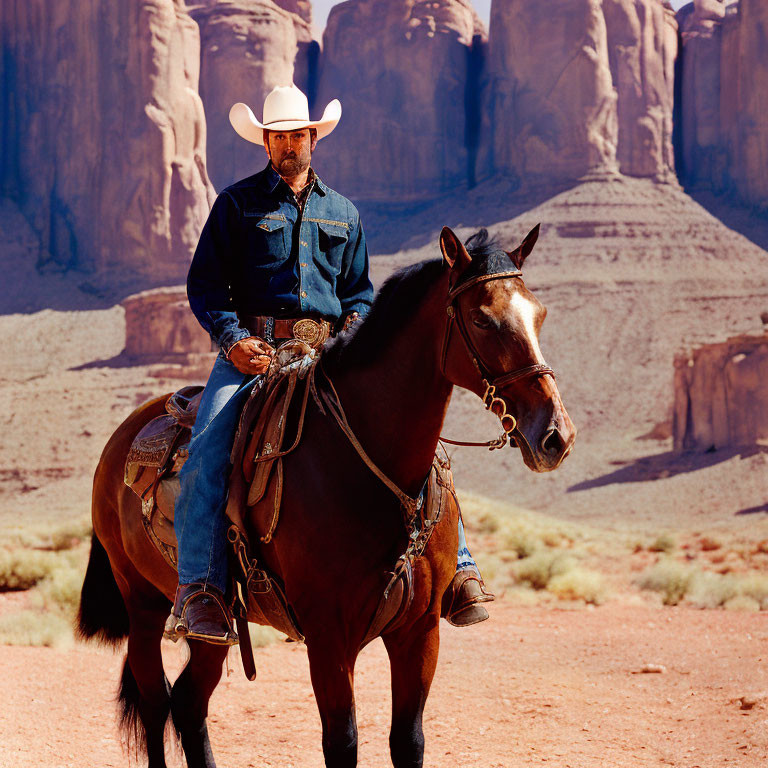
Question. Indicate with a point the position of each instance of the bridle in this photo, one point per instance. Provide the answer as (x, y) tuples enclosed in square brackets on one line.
[(490, 382)]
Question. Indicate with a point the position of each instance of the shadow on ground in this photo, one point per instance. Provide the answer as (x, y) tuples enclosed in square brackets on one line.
[(670, 464)]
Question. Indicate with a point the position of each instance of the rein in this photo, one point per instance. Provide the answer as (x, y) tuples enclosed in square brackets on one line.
[(491, 402), (331, 402)]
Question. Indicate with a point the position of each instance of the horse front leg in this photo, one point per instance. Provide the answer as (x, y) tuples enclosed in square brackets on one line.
[(189, 701), (413, 659), (332, 673)]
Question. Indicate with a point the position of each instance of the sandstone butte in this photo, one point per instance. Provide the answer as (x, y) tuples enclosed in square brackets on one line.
[(104, 134), (109, 138), (725, 97), (401, 69), (721, 397), (247, 47)]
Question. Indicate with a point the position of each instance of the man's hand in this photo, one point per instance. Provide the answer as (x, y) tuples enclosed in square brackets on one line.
[(251, 356)]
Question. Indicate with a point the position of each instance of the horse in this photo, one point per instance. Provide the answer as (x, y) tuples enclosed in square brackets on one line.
[(465, 320)]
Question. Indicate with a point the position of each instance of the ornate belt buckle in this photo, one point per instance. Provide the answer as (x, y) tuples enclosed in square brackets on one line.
[(308, 331)]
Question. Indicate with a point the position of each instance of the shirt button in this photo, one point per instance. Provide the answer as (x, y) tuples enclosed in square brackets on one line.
[(306, 245), (304, 264), (303, 294)]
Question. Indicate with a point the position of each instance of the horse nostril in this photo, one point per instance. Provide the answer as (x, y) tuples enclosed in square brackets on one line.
[(552, 443)]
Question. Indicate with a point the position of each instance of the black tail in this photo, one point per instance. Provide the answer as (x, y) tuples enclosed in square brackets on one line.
[(131, 726), (102, 613)]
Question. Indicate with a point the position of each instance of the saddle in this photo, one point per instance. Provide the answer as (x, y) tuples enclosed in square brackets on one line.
[(270, 428)]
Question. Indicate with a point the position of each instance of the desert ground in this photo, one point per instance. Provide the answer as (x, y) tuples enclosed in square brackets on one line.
[(628, 630)]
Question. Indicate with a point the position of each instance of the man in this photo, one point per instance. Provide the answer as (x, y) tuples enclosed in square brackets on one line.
[(279, 247)]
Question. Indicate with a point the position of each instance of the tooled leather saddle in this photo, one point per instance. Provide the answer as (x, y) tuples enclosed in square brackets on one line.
[(270, 428)]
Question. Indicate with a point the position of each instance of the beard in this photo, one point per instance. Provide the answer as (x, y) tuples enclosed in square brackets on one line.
[(293, 165)]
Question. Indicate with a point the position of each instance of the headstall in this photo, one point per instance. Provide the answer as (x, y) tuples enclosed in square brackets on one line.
[(490, 382)]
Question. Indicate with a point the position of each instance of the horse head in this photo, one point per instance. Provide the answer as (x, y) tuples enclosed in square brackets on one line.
[(491, 346)]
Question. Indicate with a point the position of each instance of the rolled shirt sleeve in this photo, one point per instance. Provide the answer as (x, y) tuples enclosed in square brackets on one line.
[(209, 281)]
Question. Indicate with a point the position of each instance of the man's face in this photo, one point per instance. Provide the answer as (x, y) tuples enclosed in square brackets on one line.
[(290, 151)]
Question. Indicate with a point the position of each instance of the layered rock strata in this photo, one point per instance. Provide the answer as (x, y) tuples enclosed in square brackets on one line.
[(721, 395), (103, 132), (248, 47), (401, 69)]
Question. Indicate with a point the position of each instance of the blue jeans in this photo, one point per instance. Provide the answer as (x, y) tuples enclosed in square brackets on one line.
[(199, 518)]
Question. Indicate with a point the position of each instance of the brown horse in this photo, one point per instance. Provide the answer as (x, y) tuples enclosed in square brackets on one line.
[(464, 320)]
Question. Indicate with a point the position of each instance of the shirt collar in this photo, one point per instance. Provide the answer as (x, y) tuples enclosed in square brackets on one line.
[(272, 179)]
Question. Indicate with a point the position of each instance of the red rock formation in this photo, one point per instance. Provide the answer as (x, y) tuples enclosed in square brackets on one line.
[(579, 88), (725, 97), (721, 394), (248, 47), (642, 47), (160, 326), (104, 132), (400, 68), (552, 105)]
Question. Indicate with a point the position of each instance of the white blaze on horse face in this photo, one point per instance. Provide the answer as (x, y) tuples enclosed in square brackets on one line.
[(525, 309)]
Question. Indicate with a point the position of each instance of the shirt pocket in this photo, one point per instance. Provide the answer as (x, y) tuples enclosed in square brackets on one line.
[(332, 240), (268, 236)]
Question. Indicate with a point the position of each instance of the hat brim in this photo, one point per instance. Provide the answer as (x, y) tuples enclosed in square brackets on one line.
[(245, 123)]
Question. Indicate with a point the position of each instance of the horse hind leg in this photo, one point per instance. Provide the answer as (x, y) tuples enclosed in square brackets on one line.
[(189, 701), (144, 695), (413, 660)]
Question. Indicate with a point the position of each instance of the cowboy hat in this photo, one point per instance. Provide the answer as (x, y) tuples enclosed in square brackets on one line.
[(285, 109)]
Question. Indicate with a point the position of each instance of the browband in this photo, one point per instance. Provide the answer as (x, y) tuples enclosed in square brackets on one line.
[(454, 292)]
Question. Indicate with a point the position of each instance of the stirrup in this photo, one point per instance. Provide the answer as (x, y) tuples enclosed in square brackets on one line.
[(462, 600), (200, 613)]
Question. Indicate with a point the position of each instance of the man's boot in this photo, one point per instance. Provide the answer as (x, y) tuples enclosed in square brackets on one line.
[(462, 600), (200, 612)]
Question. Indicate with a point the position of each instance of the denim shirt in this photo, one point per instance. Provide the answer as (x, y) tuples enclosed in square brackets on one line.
[(259, 254)]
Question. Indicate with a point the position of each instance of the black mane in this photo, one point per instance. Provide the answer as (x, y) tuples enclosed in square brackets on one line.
[(399, 297)]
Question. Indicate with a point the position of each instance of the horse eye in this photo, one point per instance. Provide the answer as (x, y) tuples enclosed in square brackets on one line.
[(480, 319)]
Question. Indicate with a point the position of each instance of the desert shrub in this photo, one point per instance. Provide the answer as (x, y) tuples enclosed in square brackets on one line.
[(711, 590), (670, 578), (35, 628), (742, 603), (664, 543), (262, 636), (521, 541), (23, 568), (579, 583), (755, 586), (541, 567)]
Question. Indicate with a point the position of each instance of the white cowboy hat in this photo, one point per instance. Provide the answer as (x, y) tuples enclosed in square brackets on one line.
[(285, 109)]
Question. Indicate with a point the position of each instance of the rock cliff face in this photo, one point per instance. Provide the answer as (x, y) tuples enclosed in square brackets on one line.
[(581, 87), (725, 97), (552, 106), (248, 47), (103, 132), (642, 47), (401, 69), (721, 395)]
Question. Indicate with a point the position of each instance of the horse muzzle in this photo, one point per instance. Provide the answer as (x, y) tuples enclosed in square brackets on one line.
[(548, 451)]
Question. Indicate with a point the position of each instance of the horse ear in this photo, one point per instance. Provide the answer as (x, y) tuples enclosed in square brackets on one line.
[(520, 254), (453, 249)]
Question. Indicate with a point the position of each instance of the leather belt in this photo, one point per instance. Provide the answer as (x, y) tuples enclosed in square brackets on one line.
[(312, 332)]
